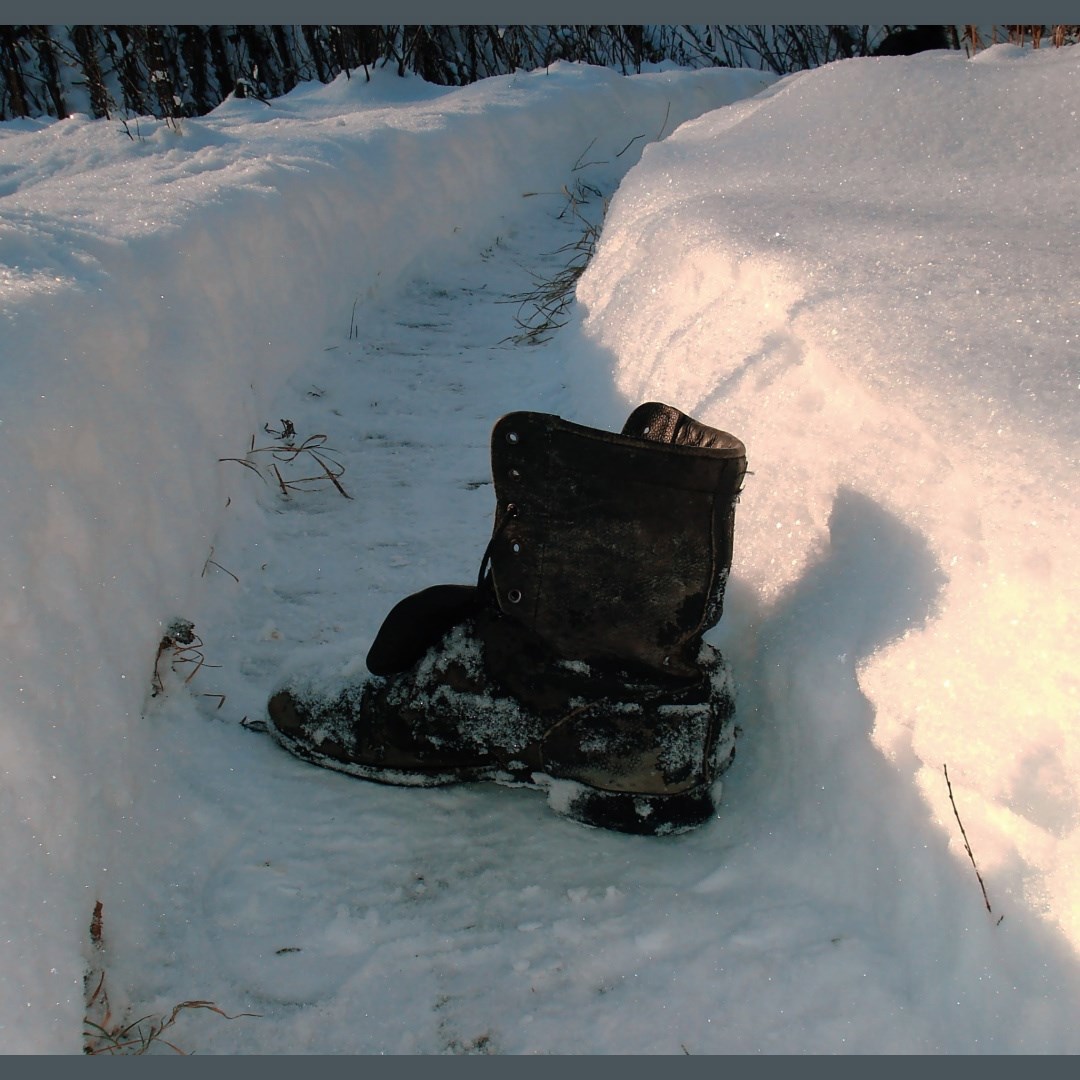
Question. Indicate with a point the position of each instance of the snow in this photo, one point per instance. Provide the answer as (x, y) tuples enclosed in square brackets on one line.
[(865, 272)]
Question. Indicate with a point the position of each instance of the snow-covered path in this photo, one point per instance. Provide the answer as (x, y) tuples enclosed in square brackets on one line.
[(156, 292), (900, 359), (356, 918)]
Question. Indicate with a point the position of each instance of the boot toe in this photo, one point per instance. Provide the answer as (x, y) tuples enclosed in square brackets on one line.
[(284, 715)]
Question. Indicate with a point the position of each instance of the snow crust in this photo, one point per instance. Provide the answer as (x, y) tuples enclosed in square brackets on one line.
[(866, 273)]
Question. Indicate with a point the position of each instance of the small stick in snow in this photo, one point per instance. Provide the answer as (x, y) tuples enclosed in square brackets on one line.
[(210, 561), (629, 144), (578, 165), (963, 833), (663, 126)]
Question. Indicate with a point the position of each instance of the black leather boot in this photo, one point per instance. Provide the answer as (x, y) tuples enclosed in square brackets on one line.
[(576, 664)]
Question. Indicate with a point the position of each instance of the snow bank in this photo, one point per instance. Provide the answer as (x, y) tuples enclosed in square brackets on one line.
[(155, 291), (867, 273)]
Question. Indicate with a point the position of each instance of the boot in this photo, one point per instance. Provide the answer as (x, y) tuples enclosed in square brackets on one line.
[(576, 664)]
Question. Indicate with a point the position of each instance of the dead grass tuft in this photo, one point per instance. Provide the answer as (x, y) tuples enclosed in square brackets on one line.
[(285, 458), (106, 1034)]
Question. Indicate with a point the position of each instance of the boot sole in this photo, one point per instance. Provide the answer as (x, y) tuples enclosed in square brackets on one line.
[(640, 814), (630, 812)]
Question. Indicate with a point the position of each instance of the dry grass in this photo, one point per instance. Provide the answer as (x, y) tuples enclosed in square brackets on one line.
[(106, 1034), (184, 648), (280, 462), (110, 1036), (546, 307)]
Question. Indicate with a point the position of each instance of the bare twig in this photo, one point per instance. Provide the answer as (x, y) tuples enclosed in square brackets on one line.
[(967, 846), (663, 126), (210, 561), (579, 165)]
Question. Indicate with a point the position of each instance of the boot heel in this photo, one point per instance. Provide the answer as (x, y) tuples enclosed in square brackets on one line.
[(628, 812)]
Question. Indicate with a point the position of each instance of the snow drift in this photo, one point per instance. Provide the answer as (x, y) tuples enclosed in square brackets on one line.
[(866, 273)]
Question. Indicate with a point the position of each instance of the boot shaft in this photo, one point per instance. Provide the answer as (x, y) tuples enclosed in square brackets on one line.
[(614, 548)]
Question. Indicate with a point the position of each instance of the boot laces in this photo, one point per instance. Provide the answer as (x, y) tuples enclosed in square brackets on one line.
[(504, 519)]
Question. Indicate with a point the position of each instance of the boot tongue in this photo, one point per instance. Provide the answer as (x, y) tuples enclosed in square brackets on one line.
[(665, 424)]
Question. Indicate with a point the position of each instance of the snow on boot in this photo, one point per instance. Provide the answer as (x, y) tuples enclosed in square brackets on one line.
[(577, 663)]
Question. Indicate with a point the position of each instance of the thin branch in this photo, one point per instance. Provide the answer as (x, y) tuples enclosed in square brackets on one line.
[(967, 846), (663, 126), (211, 561), (578, 164)]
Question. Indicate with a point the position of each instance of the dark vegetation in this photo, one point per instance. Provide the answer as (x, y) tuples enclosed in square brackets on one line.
[(172, 72)]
